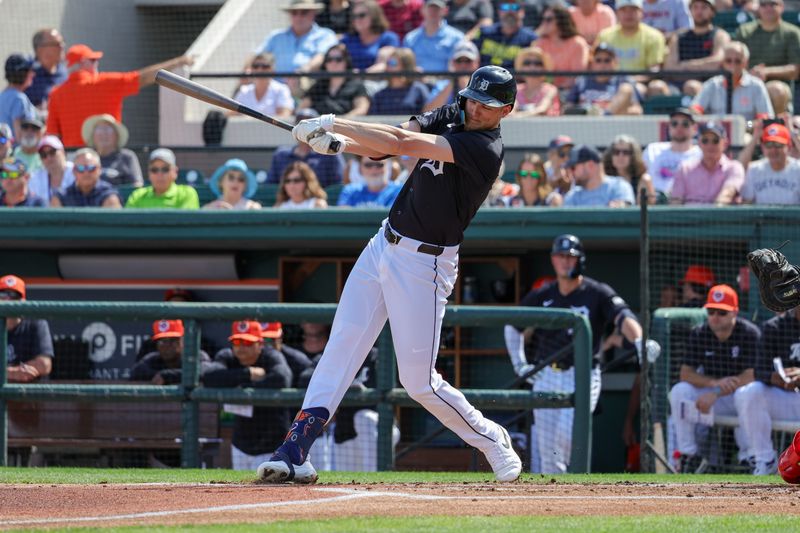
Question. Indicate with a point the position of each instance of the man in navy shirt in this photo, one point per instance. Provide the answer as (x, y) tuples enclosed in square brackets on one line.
[(500, 43), (30, 348), (48, 46), (88, 190), (719, 364), (14, 190), (163, 367), (328, 168)]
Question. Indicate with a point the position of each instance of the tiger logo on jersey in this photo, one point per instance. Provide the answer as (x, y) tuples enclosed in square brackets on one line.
[(436, 167)]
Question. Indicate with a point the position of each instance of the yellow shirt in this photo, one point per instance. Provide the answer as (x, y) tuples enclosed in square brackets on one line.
[(645, 49)]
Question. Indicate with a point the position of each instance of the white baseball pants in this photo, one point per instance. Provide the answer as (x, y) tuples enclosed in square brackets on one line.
[(554, 426), (410, 289)]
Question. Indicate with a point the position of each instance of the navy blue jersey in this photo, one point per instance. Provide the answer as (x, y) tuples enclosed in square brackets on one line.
[(780, 337), (152, 364), (715, 358), (30, 338), (439, 199), (264, 431), (597, 301)]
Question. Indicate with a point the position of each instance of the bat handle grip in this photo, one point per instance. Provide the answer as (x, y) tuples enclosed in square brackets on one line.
[(334, 146)]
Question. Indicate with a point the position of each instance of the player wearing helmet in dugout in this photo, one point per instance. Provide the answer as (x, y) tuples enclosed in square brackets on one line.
[(552, 431)]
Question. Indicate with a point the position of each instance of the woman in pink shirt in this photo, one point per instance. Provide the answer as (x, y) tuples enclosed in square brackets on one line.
[(591, 17), (534, 95), (559, 37)]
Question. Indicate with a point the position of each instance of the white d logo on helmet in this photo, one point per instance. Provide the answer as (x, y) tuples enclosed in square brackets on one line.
[(163, 326), (484, 84), (717, 296)]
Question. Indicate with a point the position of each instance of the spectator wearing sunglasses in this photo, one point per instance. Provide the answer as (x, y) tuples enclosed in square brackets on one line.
[(535, 96), (265, 94), (402, 95), (434, 42), (163, 367), (714, 178), (27, 150), (339, 94), (233, 184), (377, 191), (163, 192), (14, 103), (464, 61), (557, 155), (623, 158), (14, 191), (750, 96), (88, 190), (591, 17), (719, 364), (369, 36), (604, 94), (257, 431), (775, 179), (56, 174), (559, 37), (534, 191), (300, 189), (500, 43), (30, 347), (469, 16), (664, 158)]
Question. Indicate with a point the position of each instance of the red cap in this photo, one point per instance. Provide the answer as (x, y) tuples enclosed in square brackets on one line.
[(182, 294), (246, 330), (78, 52), (272, 330), (699, 274), (164, 329), (13, 283), (722, 297), (776, 133)]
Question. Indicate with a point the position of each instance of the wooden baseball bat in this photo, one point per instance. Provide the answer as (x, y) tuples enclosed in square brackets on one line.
[(195, 90)]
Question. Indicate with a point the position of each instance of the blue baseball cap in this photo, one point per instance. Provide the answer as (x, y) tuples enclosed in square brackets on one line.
[(19, 63), (581, 154)]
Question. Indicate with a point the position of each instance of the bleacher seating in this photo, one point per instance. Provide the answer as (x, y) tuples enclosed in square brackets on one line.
[(190, 176), (731, 20)]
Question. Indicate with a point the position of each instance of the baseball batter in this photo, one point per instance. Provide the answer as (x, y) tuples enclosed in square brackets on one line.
[(602, 306), (409, 267)]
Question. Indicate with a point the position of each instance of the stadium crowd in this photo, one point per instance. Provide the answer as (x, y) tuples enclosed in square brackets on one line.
[(59, 106)]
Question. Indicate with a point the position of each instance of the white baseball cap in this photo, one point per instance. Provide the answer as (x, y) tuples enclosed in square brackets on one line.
[(164, 154), (629, 3)]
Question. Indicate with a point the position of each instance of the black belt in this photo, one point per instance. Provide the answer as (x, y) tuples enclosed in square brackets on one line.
[(423, 248)]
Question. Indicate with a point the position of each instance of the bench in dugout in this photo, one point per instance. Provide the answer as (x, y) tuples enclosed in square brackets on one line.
[(782, 431), (64, 433)]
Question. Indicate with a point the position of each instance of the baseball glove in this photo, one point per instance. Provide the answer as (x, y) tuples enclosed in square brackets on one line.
[(778, 280)]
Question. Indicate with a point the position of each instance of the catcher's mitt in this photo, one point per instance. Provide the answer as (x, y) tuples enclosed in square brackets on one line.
[(778, 280)]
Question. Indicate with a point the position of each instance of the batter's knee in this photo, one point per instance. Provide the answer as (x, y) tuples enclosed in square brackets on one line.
[(681, 391)]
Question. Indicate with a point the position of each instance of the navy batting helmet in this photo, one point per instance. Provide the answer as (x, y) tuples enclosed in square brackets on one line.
[(492, 86), (570, 245)]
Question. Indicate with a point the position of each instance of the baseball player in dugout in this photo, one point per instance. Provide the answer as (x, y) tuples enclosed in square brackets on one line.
[(407, 270), (552, 430), (716, 375)]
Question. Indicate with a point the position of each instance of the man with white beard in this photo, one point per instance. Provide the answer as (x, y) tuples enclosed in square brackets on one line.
[(27, 149)]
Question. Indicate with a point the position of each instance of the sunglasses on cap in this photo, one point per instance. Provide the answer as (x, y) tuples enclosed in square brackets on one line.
[(529, 174), (509, 7), (242, 342), (392, 62), (718, 312), (85, 168)]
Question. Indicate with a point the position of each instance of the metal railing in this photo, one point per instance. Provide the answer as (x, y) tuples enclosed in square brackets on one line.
[(190, 393)]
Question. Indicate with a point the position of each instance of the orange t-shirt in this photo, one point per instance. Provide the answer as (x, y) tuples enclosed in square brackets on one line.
[(572, 54), (601, 18), (85, 94)]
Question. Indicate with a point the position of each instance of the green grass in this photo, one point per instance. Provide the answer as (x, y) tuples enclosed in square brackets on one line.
[(517, 524), (141, 475)]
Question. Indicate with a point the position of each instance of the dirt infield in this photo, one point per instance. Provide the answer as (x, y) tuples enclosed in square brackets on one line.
[(158, 504)]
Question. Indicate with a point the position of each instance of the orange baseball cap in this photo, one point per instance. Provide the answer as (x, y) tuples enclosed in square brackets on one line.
[(13, 283), (246, 330), (776, 133), (699, 274), (164, 329), (78, 52), (722, 297), (272, 330)]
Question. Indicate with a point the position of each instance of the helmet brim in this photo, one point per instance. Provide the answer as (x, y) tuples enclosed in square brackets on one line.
[(483, 98)]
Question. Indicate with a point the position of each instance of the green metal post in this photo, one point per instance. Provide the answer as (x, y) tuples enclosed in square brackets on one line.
[(581, 458), (190, 376), (385, 382), (3, 404)]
